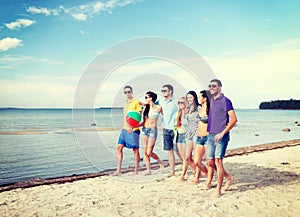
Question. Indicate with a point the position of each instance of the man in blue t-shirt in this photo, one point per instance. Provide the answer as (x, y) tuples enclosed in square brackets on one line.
[(221, 120), (169, 109)]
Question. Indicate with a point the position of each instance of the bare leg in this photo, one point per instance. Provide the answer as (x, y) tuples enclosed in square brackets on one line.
[(171, 157), (191, 164), (211, 168), (188, 155), (210, 173), (184, 169), (197, 175), (178, 152), (229, 179), (181, 149), (119, 159), (146, 156), (150, 153), (137, 160), (220, 173), (198, 154)]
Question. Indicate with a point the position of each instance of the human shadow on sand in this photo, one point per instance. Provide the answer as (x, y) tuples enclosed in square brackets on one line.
[(249, 176)]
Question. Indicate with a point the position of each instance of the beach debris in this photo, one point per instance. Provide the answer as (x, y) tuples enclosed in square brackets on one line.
[(286, 129), (284, 163), (93, 124), (256, 134), (298, 125), (296, 122)]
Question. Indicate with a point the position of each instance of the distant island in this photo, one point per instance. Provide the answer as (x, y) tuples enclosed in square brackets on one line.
[(281, 104)]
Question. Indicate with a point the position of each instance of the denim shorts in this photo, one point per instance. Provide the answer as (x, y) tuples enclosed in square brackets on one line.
[(168, 139), (201, 140), (130, 140), (216, 149), (149, 132), (181, 138)]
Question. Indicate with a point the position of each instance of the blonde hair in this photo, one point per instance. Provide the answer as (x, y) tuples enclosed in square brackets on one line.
[(178, 118)]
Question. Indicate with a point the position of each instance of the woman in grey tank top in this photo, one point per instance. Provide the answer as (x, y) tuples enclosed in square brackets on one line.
[(191, 132)]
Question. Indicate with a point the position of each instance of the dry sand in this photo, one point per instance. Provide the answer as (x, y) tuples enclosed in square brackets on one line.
[(266, 184)]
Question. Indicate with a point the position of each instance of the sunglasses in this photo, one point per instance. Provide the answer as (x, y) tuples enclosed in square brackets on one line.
[(179, 102), (127, 92), (212, 86), (146, 97), (163, 91)]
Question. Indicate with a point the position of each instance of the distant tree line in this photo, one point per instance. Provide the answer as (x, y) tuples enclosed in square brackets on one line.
[(281, 104)]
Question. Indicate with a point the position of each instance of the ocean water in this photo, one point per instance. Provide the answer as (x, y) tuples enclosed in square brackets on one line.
[(43, 142)]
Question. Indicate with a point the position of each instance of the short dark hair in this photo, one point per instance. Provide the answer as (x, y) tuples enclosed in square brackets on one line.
[(217, 81), (169, 86), (128, 87)]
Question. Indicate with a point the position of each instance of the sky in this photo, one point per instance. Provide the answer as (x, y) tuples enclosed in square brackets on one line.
[(253, 47)]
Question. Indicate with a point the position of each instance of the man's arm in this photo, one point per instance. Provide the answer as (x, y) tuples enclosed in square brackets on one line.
[(232, 121)]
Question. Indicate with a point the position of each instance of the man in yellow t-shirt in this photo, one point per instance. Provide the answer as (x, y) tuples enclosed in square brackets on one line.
[(129, 136)]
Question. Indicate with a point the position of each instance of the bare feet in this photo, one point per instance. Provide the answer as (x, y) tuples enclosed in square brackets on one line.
[(148, 173), (207, 187), (195, 182), (171, 174), (228, 183), (219, 194), (135, 172), (117, 173), (181, 178), (162, 167)]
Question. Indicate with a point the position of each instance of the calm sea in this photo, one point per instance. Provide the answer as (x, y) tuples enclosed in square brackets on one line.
[(43, 143)]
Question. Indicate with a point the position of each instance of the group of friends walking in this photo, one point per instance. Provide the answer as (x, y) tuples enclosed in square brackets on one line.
[(194, 127)]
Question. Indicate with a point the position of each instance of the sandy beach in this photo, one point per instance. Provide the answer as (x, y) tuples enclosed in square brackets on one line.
[(267, 183)]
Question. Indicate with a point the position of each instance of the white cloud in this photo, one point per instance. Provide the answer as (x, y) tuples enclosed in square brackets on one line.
[(83, 32), (98, 6), (8, 43), (14, 58), (83, 12), (36, 10), (19, 23), (80, 17)]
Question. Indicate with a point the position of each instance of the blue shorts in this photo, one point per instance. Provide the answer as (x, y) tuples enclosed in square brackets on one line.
[(181, 138), (168, 139), (201, 140), (216, 149), (149, 132), (130, 140)]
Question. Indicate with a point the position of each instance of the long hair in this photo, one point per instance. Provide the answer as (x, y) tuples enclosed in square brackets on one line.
[(178, 119), (206, 94), (154, 97), (195, 103)]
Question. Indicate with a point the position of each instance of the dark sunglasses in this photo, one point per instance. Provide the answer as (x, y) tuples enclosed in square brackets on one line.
[(146, 97), (212, 86), (163, 91), (179, 102), (126, 92)]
